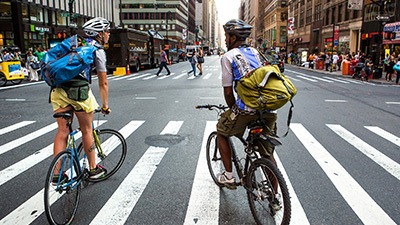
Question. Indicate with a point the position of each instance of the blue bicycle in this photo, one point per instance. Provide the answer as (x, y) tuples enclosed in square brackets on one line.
[(69, 170)]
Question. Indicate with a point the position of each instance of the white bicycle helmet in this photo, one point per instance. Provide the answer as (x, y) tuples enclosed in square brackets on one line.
[(95, 25)]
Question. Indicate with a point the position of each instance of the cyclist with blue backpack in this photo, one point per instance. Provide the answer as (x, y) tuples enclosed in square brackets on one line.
[(236, 63), (76, 96)]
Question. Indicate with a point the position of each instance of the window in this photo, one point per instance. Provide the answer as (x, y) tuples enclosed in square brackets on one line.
[(25, 15), (317, 15), (333, 15), (309, 16), (301, 19), (5, 10), (340, 13)]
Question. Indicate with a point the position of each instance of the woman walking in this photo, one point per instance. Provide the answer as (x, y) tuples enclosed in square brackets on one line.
[(32, 64), (193, 62), (200, 61)]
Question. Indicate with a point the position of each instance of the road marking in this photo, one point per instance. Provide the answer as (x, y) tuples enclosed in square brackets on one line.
[(30, 210), (140, 76), (306, 78), (149, 77), (145, 98), (393, 103), (120, 205), (203, 204), (15, 127), (337, 80), (28, 162), (15, 100), (298, 215), (125, 77), (21, 85), (22, 140), (208, 98), (333, 100), (166, 76), (386, 135), (369, 212), (381, 159), (207, 76), (180, 75)]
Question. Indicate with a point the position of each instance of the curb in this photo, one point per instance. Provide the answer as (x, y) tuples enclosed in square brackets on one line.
[(339, 74)]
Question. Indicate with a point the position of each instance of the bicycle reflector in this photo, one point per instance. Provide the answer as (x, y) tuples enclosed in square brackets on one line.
[(256, 130)]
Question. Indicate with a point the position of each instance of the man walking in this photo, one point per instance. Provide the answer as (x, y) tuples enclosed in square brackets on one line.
[(163, 62)]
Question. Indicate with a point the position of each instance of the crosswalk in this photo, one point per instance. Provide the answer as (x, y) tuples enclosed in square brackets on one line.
[(213, 72), (204, 202)]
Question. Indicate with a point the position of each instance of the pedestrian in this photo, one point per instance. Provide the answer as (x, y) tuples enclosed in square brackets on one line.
[(163, 62), (389, 69), (327, 62), (193, 62), (32, 64), (200, 60), (7, 56)]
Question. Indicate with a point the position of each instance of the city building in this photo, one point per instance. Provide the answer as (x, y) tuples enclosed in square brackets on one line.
[(34, 23)]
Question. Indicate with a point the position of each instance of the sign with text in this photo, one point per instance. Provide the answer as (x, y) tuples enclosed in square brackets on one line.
[(355, 4)]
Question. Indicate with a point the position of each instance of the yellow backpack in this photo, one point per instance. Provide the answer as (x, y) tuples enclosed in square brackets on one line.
[(265, 88)]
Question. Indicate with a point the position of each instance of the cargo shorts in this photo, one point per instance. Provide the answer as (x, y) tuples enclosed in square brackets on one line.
[(229, 125), (59, 99)]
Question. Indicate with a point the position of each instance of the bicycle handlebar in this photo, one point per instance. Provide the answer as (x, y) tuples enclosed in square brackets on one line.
[(211, 107)]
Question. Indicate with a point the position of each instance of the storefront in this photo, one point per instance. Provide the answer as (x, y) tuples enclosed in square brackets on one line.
[(391, 38)]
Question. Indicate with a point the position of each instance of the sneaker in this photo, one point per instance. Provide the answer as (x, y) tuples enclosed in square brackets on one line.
[(97, 172), (63, 180), (229, 183), (276, 203)]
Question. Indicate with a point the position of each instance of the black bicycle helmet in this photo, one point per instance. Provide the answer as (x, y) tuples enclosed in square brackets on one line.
[(239, 28)]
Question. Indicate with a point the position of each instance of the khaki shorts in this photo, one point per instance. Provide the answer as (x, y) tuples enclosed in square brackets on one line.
[(59, 99), (228, 127)]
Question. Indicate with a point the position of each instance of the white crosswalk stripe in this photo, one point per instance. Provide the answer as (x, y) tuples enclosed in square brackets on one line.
[(204, 199)]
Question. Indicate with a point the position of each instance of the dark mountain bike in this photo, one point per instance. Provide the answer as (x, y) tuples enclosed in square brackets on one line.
[(267, 193)]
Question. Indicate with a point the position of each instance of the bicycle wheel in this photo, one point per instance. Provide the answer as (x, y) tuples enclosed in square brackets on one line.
[(214, 160), (16, 81), (111, 151), (61, 199), (268, 205)]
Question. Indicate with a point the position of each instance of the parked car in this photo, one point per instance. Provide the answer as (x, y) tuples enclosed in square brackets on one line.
[(274, 61)]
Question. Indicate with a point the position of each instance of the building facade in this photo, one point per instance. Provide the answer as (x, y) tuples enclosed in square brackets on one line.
[(33, 23)]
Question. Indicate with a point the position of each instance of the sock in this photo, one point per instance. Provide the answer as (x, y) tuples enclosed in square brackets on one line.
[(228, 175)]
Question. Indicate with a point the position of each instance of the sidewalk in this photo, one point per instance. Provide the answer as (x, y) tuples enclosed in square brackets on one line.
[(381, 80)]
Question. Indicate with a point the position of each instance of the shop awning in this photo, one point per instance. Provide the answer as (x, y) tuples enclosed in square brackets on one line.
[(392, 27)]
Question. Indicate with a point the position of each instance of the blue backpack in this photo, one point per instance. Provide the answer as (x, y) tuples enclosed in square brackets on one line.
[(67, 60)]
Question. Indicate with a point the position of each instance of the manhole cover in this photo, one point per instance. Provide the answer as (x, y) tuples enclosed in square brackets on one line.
[(165, 140)]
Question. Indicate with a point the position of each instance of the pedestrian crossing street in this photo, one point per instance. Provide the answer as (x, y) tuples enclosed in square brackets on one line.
[(214, 72), (204, 197)]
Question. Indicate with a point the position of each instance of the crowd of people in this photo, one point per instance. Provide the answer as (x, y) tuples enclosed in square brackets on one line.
[(30, 60), (362, 63)]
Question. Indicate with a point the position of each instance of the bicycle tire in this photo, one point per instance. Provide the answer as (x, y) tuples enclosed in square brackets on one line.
[(261, 196), (115, 150), (61, 200), (214, 160), (16, 81)]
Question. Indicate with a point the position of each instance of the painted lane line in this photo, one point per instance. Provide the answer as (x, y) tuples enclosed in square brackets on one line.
[(203, 207), (120, 205), (306, 78), (149, 77), (125, 77), (207, 76), (15, 127), (22, 140), (386, 135), (337, 80), (180, 75), (393, 103), (145, 98), (369, 212), (382, 160), (299, 216), (15, 100), (140, 76), (22, 85), (31, 209), (30, 161), (335, 100), (166, 76)]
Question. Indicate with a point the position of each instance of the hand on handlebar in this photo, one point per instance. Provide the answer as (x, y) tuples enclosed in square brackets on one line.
[(106, 111)]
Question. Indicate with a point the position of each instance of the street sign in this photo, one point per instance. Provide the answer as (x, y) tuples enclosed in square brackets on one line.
[(384, 18)]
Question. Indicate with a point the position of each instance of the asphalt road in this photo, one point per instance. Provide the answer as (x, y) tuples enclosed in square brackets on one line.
[(341, 157)]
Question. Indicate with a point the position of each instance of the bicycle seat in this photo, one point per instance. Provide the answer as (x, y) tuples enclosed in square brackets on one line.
[(66, 115)]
